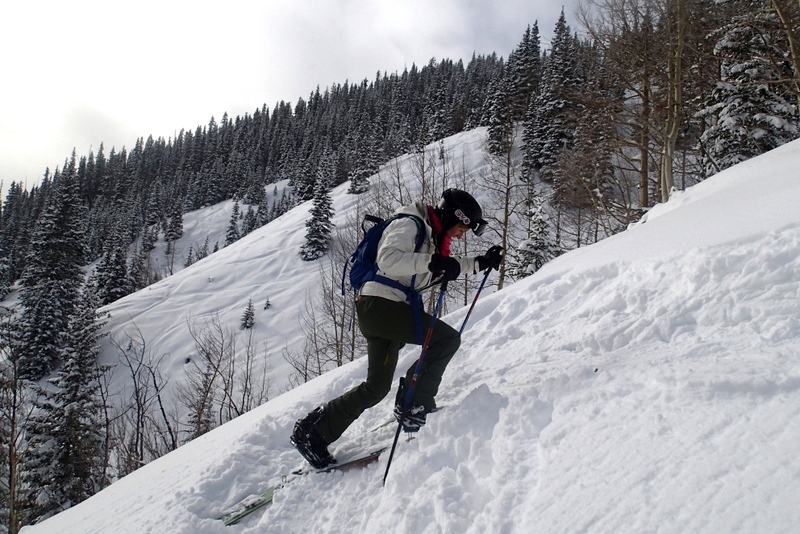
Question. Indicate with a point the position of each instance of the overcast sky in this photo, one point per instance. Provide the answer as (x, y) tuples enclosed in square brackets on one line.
[(78, 73)]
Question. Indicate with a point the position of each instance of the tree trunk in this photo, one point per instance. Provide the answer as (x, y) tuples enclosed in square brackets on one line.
[(676, 30)]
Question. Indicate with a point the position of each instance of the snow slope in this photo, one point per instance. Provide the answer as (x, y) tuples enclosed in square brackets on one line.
[(262, 265), (647, 383)]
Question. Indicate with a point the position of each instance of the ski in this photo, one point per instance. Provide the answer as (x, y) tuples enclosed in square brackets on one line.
[(249, 504), (257, 501), (361, 461)]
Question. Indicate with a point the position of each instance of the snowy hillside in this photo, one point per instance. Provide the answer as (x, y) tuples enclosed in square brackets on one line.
[(650, 382), (263, 265)]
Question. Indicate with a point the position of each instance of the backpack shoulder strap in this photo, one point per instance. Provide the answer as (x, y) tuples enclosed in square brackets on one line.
[(412, 296), (410, 290)]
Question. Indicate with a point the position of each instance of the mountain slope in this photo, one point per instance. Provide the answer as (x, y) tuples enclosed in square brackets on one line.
[(650, 382), (264, 264)]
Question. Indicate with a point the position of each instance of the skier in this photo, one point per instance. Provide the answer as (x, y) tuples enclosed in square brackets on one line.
[(388, 321)]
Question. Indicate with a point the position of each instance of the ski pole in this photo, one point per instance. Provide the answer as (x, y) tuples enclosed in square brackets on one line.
[(434, 283), (417, 369), (478, 294)]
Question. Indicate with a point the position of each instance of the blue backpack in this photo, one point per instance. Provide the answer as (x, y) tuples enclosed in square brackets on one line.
[(363, 265)]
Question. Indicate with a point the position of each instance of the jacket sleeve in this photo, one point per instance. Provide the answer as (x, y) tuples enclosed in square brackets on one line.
[(469, 265), (396, 256)]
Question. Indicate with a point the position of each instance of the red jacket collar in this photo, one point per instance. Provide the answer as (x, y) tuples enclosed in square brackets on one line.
[(440, 237)]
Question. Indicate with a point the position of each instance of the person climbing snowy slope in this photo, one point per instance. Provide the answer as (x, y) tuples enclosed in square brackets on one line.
[(390, 315)]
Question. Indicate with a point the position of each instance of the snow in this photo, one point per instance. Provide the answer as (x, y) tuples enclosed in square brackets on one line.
[(264, 264), (649, 382)]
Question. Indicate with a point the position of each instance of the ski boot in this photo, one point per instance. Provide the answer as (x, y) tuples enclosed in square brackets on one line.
[(309, 443), (414, 417)]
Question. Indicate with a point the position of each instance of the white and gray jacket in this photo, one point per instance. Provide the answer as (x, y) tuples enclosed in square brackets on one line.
[(397, 260)]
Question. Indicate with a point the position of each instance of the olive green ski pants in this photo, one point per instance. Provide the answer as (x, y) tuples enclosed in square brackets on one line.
[(388, 325)]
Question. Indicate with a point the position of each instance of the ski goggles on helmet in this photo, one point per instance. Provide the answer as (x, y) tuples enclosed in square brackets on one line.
[(476, 226), (479, 226)]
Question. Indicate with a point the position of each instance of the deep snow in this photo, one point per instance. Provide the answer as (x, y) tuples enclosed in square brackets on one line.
[(647, 383)]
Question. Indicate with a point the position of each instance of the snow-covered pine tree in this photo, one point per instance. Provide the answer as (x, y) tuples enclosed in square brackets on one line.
[(263, 207), (67, 461), (501, 129), (248, 317), (549, 127), (155, 211), (438, 109), (539, 246), (202, 252), (15, 409), (752, 109), (190, 259), (513, 91), (250, 222), (233, 235), (364, 164), (303, 172), (14, 231), (319, 227), (526, 71), (111, 276), (52, 277), (398, 136), (175, 224), (149, 239), (255, 192), (5, 272)]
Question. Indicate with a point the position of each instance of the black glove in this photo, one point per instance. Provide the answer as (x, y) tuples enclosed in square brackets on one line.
[(449, 267), (490, 260)]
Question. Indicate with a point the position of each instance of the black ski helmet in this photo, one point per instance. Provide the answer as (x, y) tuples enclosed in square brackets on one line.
[(457, 206)]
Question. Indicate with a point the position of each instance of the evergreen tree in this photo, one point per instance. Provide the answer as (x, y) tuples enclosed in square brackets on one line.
[(175, 224), (155, 211), (525, 71), (111, 276), (203, 251), (15, 409), (248, 318), (14, 235), (233, 235), (319, 227), (250, 222), (513, 91), (67, 461), (52, 278), (263, 208), (751, 110), (139, 275), (190, 259), (149, 239), (550, 121), (539, 246), (364, 165), (501, 129), (6, 279)]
